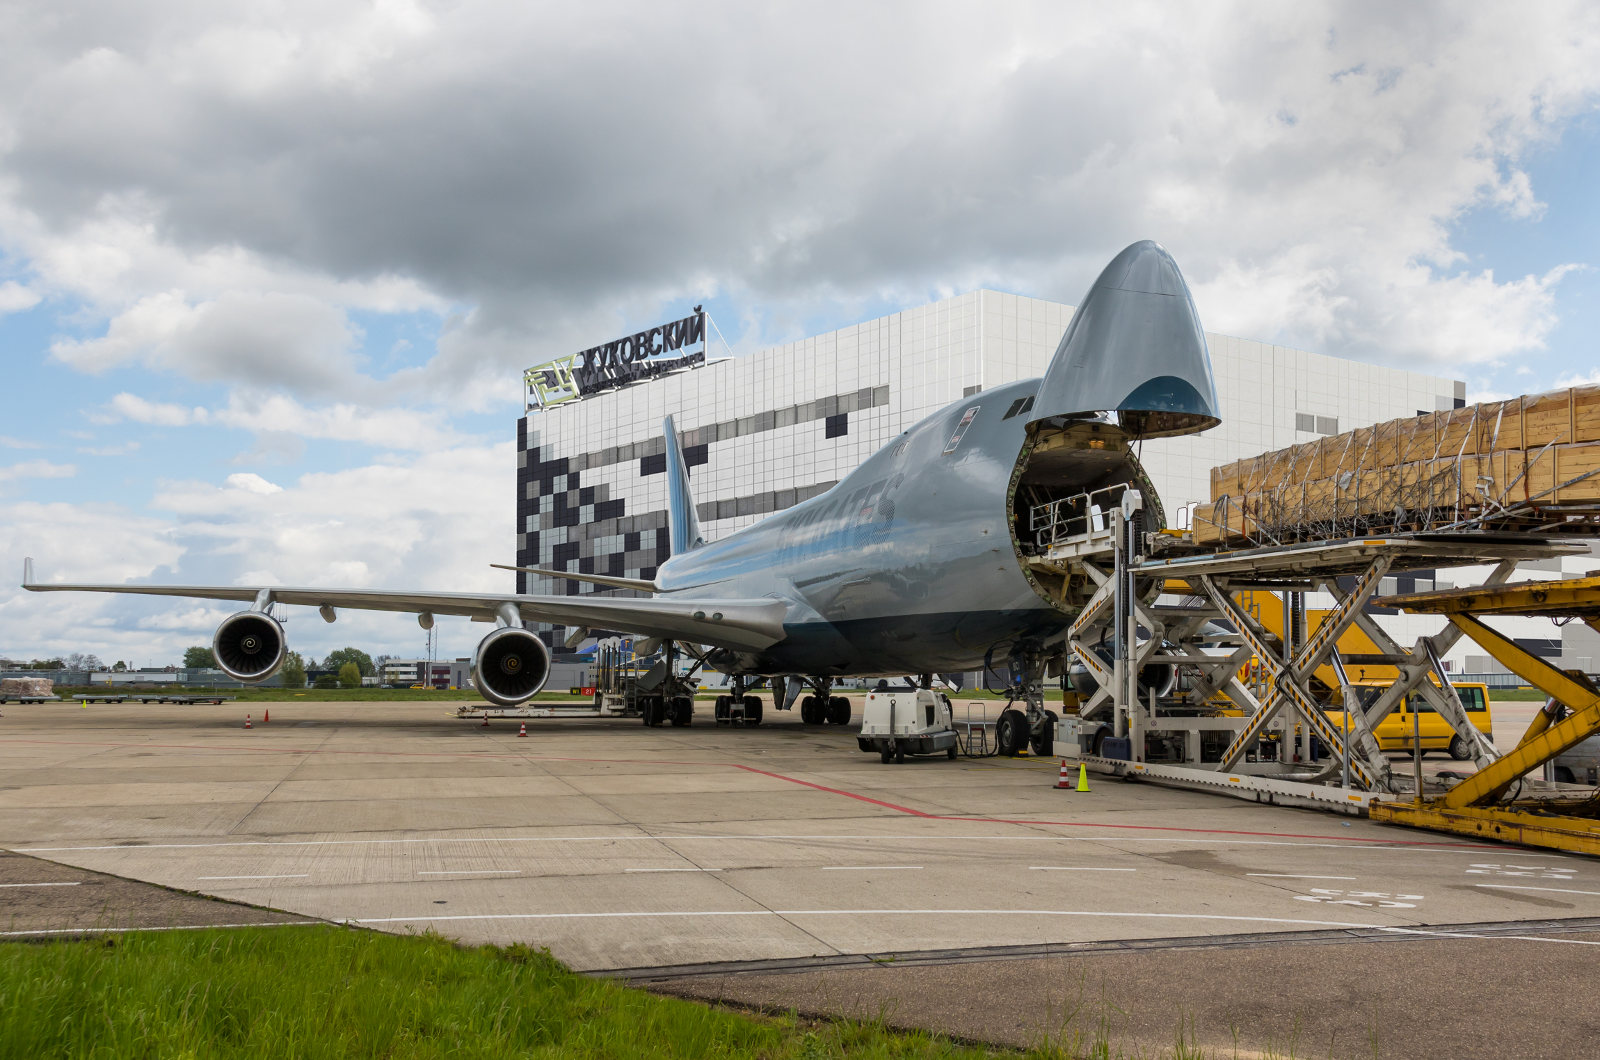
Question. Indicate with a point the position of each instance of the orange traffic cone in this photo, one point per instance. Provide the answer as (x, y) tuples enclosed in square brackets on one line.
[(266, 716), (486, 721), (523, 729), (247, 721), (1064, 781), (1083, 777)]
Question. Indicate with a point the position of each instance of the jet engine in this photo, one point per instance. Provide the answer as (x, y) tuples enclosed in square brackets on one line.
[(511, 666), (249, 646)]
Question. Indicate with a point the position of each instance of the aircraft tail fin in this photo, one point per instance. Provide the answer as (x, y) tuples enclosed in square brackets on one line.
[(683, 524)]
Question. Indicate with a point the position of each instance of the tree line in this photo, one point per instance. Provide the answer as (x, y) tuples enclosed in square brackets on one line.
[(344, 667)]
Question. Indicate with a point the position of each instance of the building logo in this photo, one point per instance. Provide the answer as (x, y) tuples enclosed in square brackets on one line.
[(619, 363)]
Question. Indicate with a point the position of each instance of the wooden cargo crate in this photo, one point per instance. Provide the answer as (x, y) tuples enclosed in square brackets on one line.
[(1586, 414), (1546, 418), (1574, 460)]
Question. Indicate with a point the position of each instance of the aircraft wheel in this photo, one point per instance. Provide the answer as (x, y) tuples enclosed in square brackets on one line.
[(808, 711), (1011, 732), (839, 710), (1459, 749), (722, 709), (1044, 742), (682, 712), (752, 710)]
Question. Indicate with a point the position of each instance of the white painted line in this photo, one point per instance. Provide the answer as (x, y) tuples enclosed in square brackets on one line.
[(1292, 876), (1468, 935), (74, 883), (1456, 850), (465, 872), (429, 917), (168, 927), (674, 870), (1073, 868), (865, 868), (285, 876), (1519, 887)]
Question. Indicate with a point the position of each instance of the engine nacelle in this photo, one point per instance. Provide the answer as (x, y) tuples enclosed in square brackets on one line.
[(511, 666), (249, 646)]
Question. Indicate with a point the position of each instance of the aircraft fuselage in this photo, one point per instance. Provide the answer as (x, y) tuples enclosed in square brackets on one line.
[(908, 565)]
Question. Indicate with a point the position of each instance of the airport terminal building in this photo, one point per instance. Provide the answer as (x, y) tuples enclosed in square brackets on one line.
[(766, 431)]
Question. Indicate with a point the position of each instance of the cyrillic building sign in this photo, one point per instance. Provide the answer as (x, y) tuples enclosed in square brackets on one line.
[(618, 363)]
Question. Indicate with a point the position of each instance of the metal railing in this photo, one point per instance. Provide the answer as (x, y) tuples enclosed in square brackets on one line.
[(1078, 516)]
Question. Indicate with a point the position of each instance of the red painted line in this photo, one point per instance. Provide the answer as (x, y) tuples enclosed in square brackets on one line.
[(909, 811), (846, 794), (1086, 824)]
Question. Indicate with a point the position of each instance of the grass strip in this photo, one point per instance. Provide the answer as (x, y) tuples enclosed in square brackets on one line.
[(325, 991)]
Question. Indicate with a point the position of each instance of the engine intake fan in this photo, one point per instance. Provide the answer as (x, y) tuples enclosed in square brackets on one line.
[(249, 646), (511, 666)]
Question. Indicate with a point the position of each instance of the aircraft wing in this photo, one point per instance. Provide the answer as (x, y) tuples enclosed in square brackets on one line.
[(742, 624)]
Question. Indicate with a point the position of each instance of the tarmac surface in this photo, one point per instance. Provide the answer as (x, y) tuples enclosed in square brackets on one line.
[(660, 853)]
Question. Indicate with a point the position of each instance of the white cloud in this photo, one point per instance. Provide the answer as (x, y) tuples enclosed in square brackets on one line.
[(14, 297), (230, 188), (70, 542), (279, 415), (270, 339), (18, 443), (110, 450), (1589, 378), (432, 521), (132, 407), (252, 483), (36, 469)]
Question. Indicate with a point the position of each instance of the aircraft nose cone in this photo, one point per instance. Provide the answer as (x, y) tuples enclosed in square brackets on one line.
[(1134, 348)]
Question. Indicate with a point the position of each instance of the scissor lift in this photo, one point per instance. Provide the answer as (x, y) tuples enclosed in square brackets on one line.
[(1535, 815), (1273, 741)]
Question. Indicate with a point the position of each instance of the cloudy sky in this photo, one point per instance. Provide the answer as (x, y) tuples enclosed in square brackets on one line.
[(269, 273)]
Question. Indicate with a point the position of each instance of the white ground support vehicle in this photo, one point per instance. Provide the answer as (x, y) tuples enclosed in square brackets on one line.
[(910, 721), (1578, 765)]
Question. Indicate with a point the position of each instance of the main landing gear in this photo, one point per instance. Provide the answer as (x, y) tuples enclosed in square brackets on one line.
[(739, 708), (822, 708)]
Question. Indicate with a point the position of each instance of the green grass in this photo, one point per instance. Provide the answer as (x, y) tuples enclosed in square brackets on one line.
[(1517, 695), (339, 992)]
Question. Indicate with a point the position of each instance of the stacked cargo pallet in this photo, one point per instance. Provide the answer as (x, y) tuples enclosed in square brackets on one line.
[(1527, 463), (13, 687)]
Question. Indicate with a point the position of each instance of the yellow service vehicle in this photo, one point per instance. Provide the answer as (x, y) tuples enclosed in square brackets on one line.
[(1397, 731)]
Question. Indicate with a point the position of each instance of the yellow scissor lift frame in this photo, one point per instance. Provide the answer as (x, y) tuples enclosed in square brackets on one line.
[(1476, 806)]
